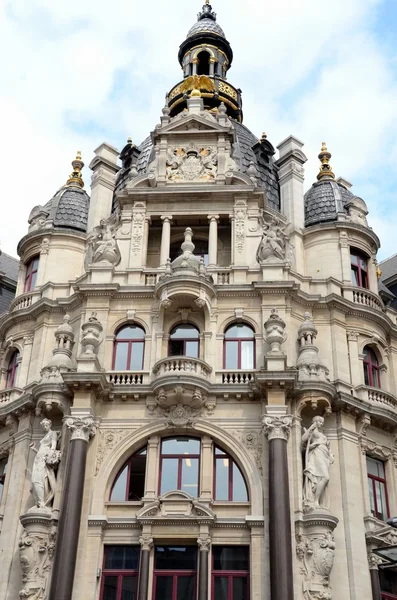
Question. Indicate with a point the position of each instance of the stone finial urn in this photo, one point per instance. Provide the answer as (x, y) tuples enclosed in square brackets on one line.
[(274, 332), (92, 335)]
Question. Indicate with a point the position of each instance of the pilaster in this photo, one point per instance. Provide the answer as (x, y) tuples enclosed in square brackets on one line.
[(104, 168)]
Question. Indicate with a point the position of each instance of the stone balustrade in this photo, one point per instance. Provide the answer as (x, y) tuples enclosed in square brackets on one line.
[(124, 378), (237, 377), (380, 397), (363, 297), (9, 394), (25, 301), (182, 365)]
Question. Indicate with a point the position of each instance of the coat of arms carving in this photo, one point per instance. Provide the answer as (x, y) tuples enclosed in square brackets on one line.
[(192, 164)]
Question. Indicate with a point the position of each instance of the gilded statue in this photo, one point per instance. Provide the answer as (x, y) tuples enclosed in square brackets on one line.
[(46, 459), (195, 83), (318, 459)]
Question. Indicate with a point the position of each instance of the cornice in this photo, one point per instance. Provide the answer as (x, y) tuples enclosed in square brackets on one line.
[(348, 225), (36, 235)]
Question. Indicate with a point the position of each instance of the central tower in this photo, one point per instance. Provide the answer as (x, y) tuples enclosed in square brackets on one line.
[(205, 57)]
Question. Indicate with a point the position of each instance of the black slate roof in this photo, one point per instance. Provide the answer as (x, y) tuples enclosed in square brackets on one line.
[(324, 200), (9, 266), (388, 267), (69, 208)]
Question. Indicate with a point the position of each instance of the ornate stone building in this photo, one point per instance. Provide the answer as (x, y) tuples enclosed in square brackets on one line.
[(207, 352)]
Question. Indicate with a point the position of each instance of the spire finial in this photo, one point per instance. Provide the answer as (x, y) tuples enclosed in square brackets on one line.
[(325, 168), (75, 177), (206, 12)]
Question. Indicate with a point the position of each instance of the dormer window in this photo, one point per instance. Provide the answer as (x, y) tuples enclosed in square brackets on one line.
[(359, 268)]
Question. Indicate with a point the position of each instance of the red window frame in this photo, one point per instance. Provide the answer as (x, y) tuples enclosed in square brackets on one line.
[(373, 369), (382, 480), (12, 370), (31, 271), (142, 452), (360, 271), (230, 575), (230, 474), (180, 458), (119, 573), (130, 342), (239, 340), (175, 576), (386, 596), (184, 340)]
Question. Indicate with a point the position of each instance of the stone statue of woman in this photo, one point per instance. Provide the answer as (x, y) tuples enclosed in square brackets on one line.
[(318, 459), (47, 457)]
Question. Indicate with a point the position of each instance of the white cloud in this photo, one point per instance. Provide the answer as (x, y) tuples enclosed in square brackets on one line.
[(307, 69)]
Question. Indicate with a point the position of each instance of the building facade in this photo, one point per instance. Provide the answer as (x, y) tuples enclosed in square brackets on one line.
[(8, 280), (198, 395)]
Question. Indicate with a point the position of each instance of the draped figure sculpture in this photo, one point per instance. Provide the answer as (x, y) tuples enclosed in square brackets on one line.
[(318, 459), (46, 459)]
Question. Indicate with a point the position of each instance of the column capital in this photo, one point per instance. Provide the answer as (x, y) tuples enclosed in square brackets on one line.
[(213, 218), (204, 543), (82, 428), (166, 218), (146, 542), (374, 561), (277, 427)]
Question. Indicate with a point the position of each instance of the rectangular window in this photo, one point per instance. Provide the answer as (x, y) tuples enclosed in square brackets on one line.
[(120, 573), (377, 488), (175, 570), (230, 573), (359, 269), (180, 466), (3, 472)]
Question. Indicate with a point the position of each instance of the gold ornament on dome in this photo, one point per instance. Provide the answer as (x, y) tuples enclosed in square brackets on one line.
[(326, 171), (195, 84), (75, 178)]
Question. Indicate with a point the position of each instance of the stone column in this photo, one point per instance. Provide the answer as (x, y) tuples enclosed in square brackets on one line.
[(204, 545), (373, 562), (355, 366), (146, 542), (277, 429), (145, 240), (165, 240), (82, 428), (213, 241)]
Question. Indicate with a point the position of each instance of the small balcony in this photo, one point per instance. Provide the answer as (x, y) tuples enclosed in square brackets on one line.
[(25, 300), (377, 397), (176, 375), (8, 395), (363, 297), (127, 378)]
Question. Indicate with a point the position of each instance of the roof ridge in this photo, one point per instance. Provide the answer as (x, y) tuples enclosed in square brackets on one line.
[(385, 259)]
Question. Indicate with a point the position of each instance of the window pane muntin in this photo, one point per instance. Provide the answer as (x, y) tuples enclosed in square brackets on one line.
[(128, 355), (240, 340)]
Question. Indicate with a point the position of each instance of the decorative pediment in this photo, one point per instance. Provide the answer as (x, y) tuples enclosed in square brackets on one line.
[(176, 505), (186, 121)]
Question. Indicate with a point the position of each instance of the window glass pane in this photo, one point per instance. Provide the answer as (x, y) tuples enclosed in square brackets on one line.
[(355, 277), (185, 331), (381, 500), (230, 558), (221, 588), (364, 279), (247, 355), (353, 259), (120, 360), (375, 467), (375, 377), (137, 477), (110, 588), (366, 374), (169, 475), (363, 264), (176, 348), (192, 349), (119, 489), (240, 588), (122, 557), (164, 585), (180, 446), (189, 482), (186, 587), (131, 333), (371, 496), (180, 558), (128, 588), (222, 479), (239, 331), (231, 358), (219, 451), (239, 489), (35, 264), (136, 356), (33, 281)]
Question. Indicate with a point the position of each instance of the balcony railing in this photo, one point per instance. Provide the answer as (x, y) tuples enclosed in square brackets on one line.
[(9, 394), (182, 365), (377, 397), (124, 378), (237, 377), (25, 300), (363, 297)]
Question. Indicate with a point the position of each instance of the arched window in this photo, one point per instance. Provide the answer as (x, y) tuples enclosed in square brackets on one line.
[(184, 341), (371, 368), (179, 465), (229, 482), (130, 482), (203, 66), (239, 347), (359, 267), (12, 370), (31, 274), (129, 348)]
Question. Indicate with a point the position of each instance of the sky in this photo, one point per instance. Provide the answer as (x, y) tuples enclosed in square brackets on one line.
[(76, 73)]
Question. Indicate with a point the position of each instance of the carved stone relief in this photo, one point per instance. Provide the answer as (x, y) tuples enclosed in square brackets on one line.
[(36, 550), (108, 439), (138, 222), (251, 439), (43, 474), (240, 215), (102, 244), (192, 163), (316, 553)]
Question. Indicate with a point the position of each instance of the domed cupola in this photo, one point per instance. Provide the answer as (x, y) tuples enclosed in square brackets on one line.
[(69, 206), (205, 57), (326, 198)]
